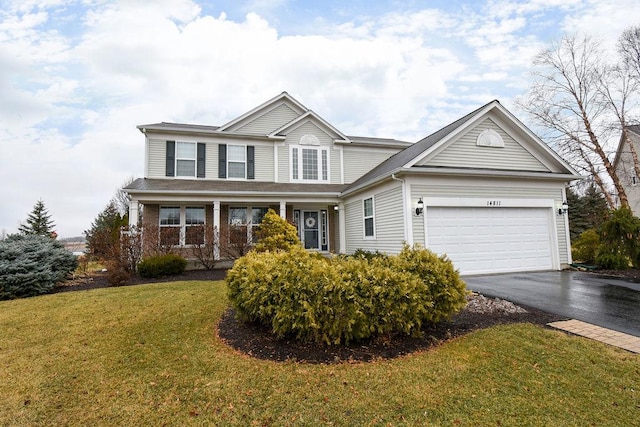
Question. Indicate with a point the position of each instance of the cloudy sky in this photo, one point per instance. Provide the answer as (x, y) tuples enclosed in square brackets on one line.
[(76, 77)]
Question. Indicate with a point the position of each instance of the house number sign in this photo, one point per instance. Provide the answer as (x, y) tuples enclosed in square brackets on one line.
[(494, 203)]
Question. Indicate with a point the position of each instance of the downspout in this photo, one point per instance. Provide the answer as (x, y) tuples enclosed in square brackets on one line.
[(406, 212)]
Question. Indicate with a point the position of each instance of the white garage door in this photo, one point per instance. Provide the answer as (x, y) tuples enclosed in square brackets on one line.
[(491, 240)]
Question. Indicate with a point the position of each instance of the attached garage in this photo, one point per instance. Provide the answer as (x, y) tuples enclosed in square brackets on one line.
[(497, 239)]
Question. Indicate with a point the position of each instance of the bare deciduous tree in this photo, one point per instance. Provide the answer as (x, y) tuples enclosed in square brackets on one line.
[(629, 50), (583, 103)]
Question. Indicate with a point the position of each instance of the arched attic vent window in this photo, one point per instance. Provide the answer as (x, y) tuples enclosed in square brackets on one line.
[(490, 138), (308, 139)]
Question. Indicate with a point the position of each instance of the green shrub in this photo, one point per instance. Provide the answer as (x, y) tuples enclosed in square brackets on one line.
[(586, 246), (368, 255), (345, 299), (275, 233), (620, 237), (442, 281), (162, 265), (32, 265), (611, 258)]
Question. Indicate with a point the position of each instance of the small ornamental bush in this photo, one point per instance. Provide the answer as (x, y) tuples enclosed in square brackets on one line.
[(442, 281), (585, 247), (314, 299), (275, 233), (162, 265), (32, 265)]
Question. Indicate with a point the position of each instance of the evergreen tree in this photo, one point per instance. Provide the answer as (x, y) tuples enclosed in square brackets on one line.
[(39, 222), (32, 265), (104, 235), (587, 211)]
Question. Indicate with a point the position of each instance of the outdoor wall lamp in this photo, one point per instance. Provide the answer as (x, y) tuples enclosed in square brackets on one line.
[(420, 207), (336, 208), (563, 209)]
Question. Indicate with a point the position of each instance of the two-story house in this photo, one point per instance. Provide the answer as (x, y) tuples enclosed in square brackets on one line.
[(484, 189), (625, 166)]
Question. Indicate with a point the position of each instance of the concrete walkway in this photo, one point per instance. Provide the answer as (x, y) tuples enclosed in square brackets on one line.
[(607, 336)]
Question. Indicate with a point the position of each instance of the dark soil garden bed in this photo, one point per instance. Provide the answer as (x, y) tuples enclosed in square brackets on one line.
[(256, 340)]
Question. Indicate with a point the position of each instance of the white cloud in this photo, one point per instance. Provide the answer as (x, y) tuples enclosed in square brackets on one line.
[(74, 89)]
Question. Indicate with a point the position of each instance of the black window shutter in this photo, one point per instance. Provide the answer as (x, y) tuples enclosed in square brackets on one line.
[(222, 161), (171, 158), (201, 159), (251, 162)]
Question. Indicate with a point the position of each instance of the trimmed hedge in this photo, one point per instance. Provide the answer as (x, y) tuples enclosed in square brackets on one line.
[(344, 299), (162, 265)]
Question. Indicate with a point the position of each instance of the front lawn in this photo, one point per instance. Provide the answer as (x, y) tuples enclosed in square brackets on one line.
[(149, 355)]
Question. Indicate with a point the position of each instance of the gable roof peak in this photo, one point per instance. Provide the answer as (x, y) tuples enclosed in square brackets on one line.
[(276, 100)]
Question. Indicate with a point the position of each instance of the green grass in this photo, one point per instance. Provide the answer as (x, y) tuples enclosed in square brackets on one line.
[(149, 355)]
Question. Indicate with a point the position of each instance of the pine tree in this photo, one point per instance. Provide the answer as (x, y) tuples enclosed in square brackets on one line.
[(587, 211), (39, 222)]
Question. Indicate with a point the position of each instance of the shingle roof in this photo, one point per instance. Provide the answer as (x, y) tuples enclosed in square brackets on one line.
[(634, 128), (179, 127), (403, 157), (150, 185)]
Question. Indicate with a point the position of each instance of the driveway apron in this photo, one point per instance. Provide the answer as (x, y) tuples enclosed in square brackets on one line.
[(604, 301)]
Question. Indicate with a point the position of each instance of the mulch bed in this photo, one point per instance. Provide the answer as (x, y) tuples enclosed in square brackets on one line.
[(256, 341)]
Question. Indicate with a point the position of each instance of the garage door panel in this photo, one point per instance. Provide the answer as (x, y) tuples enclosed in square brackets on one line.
[(488, 240)]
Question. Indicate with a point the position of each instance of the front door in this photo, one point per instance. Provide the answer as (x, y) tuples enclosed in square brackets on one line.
[(311, 229)]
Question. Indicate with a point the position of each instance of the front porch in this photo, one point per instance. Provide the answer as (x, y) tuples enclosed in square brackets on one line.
[(235, 223)]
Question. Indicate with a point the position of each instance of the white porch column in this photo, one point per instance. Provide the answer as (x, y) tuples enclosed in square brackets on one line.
[(283, 210), (342, 225), (216, 229), (134, 207)]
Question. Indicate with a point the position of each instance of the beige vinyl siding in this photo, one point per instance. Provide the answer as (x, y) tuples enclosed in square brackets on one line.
[(626, 172), (157, 158), (263, 163), (269, 121), (490, 189), (464, 152), (360, 160), (389, 228), (263, 159), (293, 138)]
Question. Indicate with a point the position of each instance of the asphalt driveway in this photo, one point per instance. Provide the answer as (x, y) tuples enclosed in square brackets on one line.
[(608, 302)]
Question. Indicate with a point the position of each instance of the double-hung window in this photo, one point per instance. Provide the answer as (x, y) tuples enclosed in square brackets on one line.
[(369, 218), (194, 225), (309, 164), (185, 159), (244, 223), (170, 225), (180, 225), (236, 161)]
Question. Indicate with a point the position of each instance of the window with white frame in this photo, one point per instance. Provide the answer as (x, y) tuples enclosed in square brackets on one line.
[(257, 214), (182, 225), (369, 218), (236, 161), (186, 159), (309, 163), (194, 219), (244, 223), (170, 225)]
